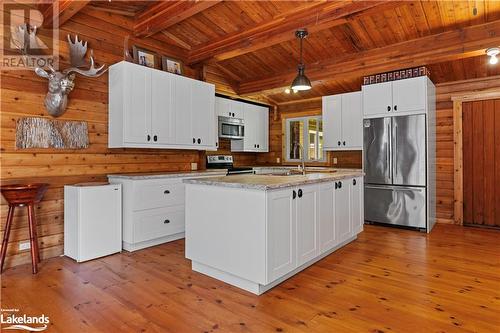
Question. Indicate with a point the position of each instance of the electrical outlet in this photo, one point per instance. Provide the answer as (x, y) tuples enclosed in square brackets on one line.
[(334, 160), (278, 160), (194, 166), (24, 246)]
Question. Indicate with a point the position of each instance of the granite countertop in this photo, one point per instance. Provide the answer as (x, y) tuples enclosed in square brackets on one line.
[(175, 174), (271, 182)]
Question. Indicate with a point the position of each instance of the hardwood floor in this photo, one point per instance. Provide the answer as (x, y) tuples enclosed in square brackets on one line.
[(389, 280)]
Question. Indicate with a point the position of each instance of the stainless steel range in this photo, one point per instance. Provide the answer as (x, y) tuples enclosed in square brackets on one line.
[(226, 162)]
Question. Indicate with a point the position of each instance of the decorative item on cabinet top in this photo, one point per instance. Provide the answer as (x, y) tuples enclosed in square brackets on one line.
[(60, 82), (396, 75), (145, 57), (48, 133)]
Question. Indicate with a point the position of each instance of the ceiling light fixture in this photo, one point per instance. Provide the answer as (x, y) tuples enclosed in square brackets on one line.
[(492, 53), (301, 82)]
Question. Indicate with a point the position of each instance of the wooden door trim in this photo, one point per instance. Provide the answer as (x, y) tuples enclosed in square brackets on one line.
[(458, 172)]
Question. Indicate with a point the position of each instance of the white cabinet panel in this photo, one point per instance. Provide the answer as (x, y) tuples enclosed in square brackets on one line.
[(281, 233), (342, 210), (158, 193), (307, 223), (181, 104), (377, 99), (256, 136), (357, 212), (332, 121), (352, 121), (326, 217), (262, 129), (162, 112), (409, 95), (202, 110), (137, 108)]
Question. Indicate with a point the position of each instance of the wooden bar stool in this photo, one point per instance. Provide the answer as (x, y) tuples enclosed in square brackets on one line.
[(20, 195)]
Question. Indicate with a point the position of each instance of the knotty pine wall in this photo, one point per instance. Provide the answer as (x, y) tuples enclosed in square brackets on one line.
[(22, 95), (444, 134)]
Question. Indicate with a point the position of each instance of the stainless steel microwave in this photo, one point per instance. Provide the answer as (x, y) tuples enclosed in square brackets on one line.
[(231, 128)]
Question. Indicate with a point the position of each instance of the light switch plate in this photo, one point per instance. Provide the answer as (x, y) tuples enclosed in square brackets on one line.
[(334, 160), (194, 166), (24, 246)]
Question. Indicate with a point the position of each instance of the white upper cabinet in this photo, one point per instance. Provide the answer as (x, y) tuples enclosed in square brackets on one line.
[(377, 98), (149, 108), (137, 97), (405, 96), (256, 132), (162, 115), (409, 95), (225, 107), (332, 121), (342, 122), (202, 94)]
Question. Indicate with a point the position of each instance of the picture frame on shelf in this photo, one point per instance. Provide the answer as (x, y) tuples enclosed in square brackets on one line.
[(172, 65), (145, 57)]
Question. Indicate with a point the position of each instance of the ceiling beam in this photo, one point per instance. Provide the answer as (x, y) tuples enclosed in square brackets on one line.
[(316, 16), (62, 11), (457, 44), (165, 14)]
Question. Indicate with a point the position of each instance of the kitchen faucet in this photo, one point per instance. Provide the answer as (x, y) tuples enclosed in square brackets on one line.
[(303, 158)]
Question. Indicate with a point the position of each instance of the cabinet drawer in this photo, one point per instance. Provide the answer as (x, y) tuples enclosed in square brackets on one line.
[(156, 194), (157, 223)]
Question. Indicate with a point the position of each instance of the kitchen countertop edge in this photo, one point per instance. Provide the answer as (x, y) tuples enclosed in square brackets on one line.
[(157, 175)]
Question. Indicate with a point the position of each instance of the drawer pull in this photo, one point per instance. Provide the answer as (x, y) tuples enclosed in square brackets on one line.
[(166, 192), (166, 221)]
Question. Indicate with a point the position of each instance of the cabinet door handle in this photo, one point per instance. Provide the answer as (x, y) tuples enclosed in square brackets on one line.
[(338, 143), (389, 108), (149, 137), (395, 108), (194, 140), (336, 185), (166, 192), (340, 184), (155, 138), (258, 146), (199, 140), (300, 193), (294, 194), (343, 143), (166, 222), (354, 182)]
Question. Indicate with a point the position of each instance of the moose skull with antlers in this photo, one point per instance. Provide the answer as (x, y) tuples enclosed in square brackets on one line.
[(61, 83)]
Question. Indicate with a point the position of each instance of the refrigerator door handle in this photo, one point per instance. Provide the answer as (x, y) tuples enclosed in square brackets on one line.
[(395, 188)]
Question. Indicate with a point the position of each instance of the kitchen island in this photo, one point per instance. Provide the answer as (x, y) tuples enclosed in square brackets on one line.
[(255, 231)]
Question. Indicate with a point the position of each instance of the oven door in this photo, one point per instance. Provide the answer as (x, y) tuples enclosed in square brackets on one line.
[(231, 128)]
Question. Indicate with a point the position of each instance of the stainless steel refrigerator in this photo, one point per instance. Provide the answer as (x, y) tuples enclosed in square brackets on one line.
[(395, 170)]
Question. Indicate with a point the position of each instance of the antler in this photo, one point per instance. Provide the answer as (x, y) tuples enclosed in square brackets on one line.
[(77, 51)]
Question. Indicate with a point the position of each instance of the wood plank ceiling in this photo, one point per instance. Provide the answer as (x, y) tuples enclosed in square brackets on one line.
[(253, 42)]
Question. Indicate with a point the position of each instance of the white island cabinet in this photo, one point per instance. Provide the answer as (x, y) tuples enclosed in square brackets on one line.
[(254, 236)]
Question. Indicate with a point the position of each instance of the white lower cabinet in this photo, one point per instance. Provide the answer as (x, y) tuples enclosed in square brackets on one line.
[(153, 210), (327, 232), (342, 209), (357, 209), (307, 223), (281, 233)]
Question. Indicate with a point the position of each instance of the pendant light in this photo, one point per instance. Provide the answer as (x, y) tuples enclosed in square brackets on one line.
[(301, 82)]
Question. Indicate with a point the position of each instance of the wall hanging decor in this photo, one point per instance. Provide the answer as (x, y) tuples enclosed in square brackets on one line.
[(48, 133), (60, 82)]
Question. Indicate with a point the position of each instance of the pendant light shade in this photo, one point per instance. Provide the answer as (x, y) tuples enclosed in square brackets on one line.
[(301, 82)]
